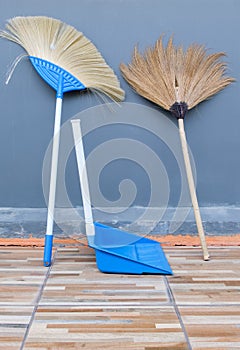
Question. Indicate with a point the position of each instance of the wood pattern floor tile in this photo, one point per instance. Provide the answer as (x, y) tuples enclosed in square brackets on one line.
[(14, 321), (75, 279), (215, 327), (100, 328), (21, 275), (198, 282), (75, 306)]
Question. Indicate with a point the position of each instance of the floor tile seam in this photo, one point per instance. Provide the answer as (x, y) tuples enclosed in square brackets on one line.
[(177, 312), (37, 302)]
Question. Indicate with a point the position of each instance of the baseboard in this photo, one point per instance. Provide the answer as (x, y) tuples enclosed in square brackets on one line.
[(23, 222)]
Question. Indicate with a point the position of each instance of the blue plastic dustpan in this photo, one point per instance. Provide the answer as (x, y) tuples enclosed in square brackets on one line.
[(116, 251), (122, 252)]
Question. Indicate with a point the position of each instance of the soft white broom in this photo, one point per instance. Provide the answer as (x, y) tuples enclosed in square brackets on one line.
[(67, 61), (178, 80)]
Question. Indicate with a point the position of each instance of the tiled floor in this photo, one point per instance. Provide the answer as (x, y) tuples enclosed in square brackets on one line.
[(72, 305)]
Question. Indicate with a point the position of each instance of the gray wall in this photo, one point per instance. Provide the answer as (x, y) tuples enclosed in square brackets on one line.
[(115, 26)]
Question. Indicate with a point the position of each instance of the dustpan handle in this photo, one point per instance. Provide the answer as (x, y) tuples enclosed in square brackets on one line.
[(83, 177)]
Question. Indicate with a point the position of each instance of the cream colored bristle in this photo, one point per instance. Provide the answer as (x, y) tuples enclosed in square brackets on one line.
[(166, 75), (59, 43)]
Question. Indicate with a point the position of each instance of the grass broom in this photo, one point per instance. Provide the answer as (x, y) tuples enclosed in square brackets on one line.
[(178, 80), (67, 61)]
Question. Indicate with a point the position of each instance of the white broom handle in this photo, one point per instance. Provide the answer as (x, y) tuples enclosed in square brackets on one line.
[(192, 189), (81, 163), (54, 165)]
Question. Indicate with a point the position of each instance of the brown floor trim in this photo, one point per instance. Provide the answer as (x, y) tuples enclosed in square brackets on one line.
[(165, 240)]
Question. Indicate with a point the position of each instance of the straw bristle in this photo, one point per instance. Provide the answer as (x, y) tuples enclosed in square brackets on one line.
[(59, 43), (166, 75)]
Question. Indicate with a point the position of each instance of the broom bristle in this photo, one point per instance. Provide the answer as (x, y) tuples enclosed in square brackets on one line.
[(52, 40), (166, 75)]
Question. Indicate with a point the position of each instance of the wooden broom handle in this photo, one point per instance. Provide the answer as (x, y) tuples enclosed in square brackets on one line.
[(192, 189)]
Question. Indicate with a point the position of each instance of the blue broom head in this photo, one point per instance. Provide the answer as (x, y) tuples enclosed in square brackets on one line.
[(63, 56), (58, 78)]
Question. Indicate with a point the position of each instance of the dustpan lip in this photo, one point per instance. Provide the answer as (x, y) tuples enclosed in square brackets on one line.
[(128, 238), (112, 237)]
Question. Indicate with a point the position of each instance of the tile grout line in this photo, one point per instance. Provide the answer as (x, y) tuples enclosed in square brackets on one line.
[(36, 304), (172, 300)]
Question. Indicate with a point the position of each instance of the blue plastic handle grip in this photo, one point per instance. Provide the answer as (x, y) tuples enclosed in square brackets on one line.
[(58, 78), (47, 258)]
